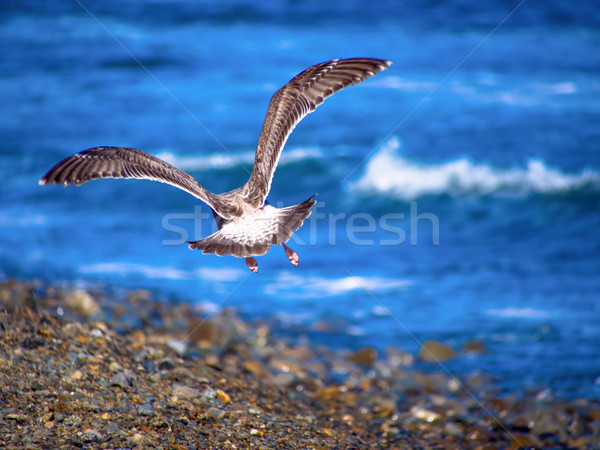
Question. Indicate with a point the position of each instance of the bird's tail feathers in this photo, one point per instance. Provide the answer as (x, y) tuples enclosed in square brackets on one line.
[(280, 230), (290, 219)]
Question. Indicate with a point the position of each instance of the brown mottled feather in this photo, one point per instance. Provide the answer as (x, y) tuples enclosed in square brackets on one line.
[(121, 162), (291, 104)]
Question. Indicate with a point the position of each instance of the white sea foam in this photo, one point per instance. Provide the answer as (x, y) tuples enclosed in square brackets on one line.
[(354, 330), (224, 160), (162, 272), (22, 221), (535, 94), (207, 307), (207, 162), (390, 173), (314, 287), (379, 310), (519, 313), (486, 88), (404, 84)]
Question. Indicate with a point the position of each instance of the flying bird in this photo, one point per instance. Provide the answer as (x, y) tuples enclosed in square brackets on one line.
[(247, 224)]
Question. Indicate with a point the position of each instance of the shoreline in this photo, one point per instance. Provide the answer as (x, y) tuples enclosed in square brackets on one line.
[(89, 368)]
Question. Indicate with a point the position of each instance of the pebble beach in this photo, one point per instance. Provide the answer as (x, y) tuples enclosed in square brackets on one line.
[(94, 368)]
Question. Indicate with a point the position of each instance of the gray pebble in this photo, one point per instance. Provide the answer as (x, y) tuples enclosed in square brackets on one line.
[(453, 429), (177, 346), (179, 390), (146, 410), (113, 428), (216, 413), (149, 365), (91, 436), (72, 330), (72, 421), (96, 333), (207, 395), (120, 379), (166, 364), (140, 356)]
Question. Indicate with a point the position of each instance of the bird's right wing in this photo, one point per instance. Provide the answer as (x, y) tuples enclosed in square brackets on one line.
[(121, 162), (290, 104)]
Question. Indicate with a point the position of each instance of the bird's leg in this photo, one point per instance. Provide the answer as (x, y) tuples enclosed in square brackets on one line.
[(252, 264), (291, 254)]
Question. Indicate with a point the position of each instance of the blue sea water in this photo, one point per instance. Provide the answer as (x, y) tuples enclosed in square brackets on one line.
[(459, 191)]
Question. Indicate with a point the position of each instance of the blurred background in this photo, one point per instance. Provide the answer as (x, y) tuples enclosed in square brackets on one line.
[(504, 153)]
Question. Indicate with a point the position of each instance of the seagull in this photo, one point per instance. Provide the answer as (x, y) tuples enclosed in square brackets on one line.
[(247, 224)]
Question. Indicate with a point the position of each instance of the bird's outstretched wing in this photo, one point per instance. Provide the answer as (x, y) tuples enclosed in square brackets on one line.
[(121, 162), (291, 103)]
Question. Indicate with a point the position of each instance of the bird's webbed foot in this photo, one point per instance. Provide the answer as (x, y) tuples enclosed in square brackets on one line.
[(291, 254), (252, 264)]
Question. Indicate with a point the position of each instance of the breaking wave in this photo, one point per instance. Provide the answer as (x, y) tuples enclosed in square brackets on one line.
[(389, 173)]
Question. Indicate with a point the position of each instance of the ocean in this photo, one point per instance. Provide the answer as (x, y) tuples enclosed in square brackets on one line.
[(459, 191)]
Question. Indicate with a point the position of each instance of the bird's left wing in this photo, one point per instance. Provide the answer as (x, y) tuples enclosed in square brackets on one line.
[(121, 162)]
